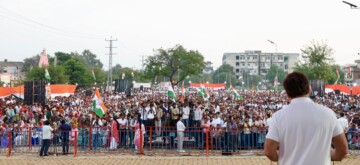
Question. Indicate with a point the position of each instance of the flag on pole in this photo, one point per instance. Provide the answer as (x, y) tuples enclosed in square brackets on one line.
[(230, 88), (123, 76), (183, 93), (98, 106), (92, 71), (47, 75), (201, 91), (171, 92), (237, 95), (338, 75), (276, 83)]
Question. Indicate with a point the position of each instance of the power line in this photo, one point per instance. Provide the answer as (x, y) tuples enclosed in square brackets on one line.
[(30, 22), (109, 83)]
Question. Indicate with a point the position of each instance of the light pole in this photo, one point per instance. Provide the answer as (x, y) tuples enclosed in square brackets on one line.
[(352, 6)]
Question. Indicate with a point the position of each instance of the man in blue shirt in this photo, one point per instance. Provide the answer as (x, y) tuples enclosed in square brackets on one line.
[(65, 132)]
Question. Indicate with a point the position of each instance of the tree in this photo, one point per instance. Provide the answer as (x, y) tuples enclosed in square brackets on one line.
[(175, 63), (30, 62), (77, 72), (62, 57), (100, 76), (225, 73), (316, 62), (276, 71), (89, 60), (57, 74)]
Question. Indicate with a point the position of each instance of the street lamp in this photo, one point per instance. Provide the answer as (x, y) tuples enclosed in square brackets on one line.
[(352, 6)]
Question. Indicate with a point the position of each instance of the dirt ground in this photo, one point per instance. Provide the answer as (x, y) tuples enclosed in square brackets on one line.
[(150, 160)]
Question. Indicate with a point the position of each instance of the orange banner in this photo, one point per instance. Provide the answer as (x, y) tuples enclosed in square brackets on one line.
[(355, 90), (209, 85), (55, 89)]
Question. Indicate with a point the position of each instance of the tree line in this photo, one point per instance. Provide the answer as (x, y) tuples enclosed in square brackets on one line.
[(176, 65)]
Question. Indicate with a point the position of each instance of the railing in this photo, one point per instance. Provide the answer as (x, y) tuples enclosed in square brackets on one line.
[(152, 140)]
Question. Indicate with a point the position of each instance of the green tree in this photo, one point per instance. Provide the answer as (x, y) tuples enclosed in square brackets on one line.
[(57, 74), (100, 76), (77, 72), (225, 73), (316, 62), (30, 62), (62, 57), (175, 63), (89, 60), (275, 71)]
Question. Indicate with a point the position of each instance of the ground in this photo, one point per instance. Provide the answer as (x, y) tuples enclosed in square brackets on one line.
[(150, 160)]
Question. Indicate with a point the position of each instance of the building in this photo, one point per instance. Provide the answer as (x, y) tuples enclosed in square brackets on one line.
[(208, 68), (10, 71), (258, 63)]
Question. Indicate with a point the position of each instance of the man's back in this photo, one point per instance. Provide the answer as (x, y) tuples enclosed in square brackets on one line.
[(65, 130), (304, 131)]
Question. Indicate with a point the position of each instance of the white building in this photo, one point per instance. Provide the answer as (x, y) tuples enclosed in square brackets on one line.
[(10, 71), (258, 63), (208, 68)]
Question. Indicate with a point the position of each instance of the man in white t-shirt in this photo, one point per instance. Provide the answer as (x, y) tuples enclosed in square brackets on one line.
[(185, 114), (46, 136), (302, 132), (343, 122)]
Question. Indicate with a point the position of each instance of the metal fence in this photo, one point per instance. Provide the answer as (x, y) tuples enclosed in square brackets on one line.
[(152, 140)]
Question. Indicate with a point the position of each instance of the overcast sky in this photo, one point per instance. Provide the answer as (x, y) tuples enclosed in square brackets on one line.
[(212, 27)]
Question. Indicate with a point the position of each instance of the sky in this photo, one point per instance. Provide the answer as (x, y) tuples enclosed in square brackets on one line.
[(209, 26)]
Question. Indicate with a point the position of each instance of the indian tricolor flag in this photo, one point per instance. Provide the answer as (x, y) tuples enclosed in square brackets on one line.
[(183, 93), (93, 74), (237, 95), (171, 92), (98, 106)]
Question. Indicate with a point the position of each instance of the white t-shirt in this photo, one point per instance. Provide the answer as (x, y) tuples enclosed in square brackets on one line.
[(304, 131), (186, 112), (343, 123), (46, 132), (216, 122), (180, 126), (123, 123)]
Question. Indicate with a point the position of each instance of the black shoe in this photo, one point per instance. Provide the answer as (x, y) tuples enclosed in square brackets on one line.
[(46, 155)]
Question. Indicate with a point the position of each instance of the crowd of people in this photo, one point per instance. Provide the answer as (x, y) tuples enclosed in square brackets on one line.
[(229, 122)]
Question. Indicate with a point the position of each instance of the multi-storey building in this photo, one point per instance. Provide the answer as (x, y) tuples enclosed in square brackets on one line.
[(208, 68), (10, 71), (258, 63)]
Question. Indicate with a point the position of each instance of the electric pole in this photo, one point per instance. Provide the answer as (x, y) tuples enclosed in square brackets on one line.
[(109, 81)]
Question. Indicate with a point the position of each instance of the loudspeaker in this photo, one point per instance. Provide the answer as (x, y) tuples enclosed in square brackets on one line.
[(128, 92), (122, 85), (337, 92), (35, 92), (141, 87)]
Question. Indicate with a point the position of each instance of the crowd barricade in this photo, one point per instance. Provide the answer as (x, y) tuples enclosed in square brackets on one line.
[(152, 140), (29, 141)]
